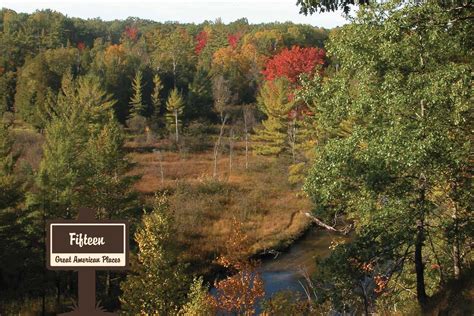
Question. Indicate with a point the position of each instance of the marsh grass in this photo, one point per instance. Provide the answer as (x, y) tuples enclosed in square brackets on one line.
[(204, 207)]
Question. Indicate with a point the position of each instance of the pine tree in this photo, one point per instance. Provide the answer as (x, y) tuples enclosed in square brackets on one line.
[(20, 263), (65, 138), (107, 182), (199, 97), (137, 107), (9, 184), (157, 284), (273, 100), (81, 111), (155, 96), (174, 108)]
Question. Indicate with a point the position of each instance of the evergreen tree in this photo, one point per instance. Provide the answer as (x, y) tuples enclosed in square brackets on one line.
[(157, 284), (81, 111), (10, 196), (155, 96), (174, 108), (10, 192), (21, 263), (137, 107), (273, 100), (107, 184), (199, 98)]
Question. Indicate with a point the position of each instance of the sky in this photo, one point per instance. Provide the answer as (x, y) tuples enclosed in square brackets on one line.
[(256, 11)]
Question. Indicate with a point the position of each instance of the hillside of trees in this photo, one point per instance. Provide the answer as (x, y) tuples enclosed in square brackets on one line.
[(221, 143)]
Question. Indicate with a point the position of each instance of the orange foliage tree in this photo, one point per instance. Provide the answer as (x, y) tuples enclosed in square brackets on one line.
[(240, 292)]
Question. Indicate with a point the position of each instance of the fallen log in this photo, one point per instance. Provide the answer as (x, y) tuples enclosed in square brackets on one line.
[(320, 223)]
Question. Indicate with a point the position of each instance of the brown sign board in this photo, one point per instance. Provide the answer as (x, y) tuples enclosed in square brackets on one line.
[(101, 245)]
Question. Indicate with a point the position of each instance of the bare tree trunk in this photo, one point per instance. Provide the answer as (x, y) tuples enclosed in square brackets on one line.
[(246, 140), (174, 72), (231, 147), (246, 150), (160, 161), (218, 144), (456, 254), (149, 135), (366, 300), (176, 125), (58, 289), (419, 266), (292, 139)]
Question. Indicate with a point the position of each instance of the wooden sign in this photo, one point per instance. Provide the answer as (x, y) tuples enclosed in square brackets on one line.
[(87, 245), (99, 245)]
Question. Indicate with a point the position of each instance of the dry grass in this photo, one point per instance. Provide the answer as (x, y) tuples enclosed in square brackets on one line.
[(260, 197)]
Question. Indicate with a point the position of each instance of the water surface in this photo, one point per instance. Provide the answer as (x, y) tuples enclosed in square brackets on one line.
[(284, 271)]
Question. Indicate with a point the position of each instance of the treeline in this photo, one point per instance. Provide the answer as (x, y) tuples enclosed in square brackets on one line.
[(38, 49)]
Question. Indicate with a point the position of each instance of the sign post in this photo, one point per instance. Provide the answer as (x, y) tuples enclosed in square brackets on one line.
[(87, 245)]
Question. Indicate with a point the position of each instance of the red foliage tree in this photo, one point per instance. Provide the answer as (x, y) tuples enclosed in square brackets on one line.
[(201, 42), (290, 63), (81, 46), (233, 40), (131, 32)]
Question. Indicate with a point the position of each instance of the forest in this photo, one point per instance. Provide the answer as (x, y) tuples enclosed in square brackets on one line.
[(224, 145)]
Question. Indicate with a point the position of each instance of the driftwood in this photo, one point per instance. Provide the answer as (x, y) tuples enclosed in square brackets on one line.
[(320, 223)]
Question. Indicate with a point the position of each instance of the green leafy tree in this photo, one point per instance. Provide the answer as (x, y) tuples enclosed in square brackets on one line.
[(393, 147), (198, 302), (174, 108), (174, 54), (7, 90), (313, 6), (39, 75), (157, 284)]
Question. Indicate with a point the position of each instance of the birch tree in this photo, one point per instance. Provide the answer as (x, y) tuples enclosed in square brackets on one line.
[(174, 108)]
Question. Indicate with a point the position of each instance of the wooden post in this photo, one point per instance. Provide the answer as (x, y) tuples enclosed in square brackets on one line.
[(86, 276), (86, 280), (86, 290)]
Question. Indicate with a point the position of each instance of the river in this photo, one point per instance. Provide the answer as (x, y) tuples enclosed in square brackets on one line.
[(283, 271)]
